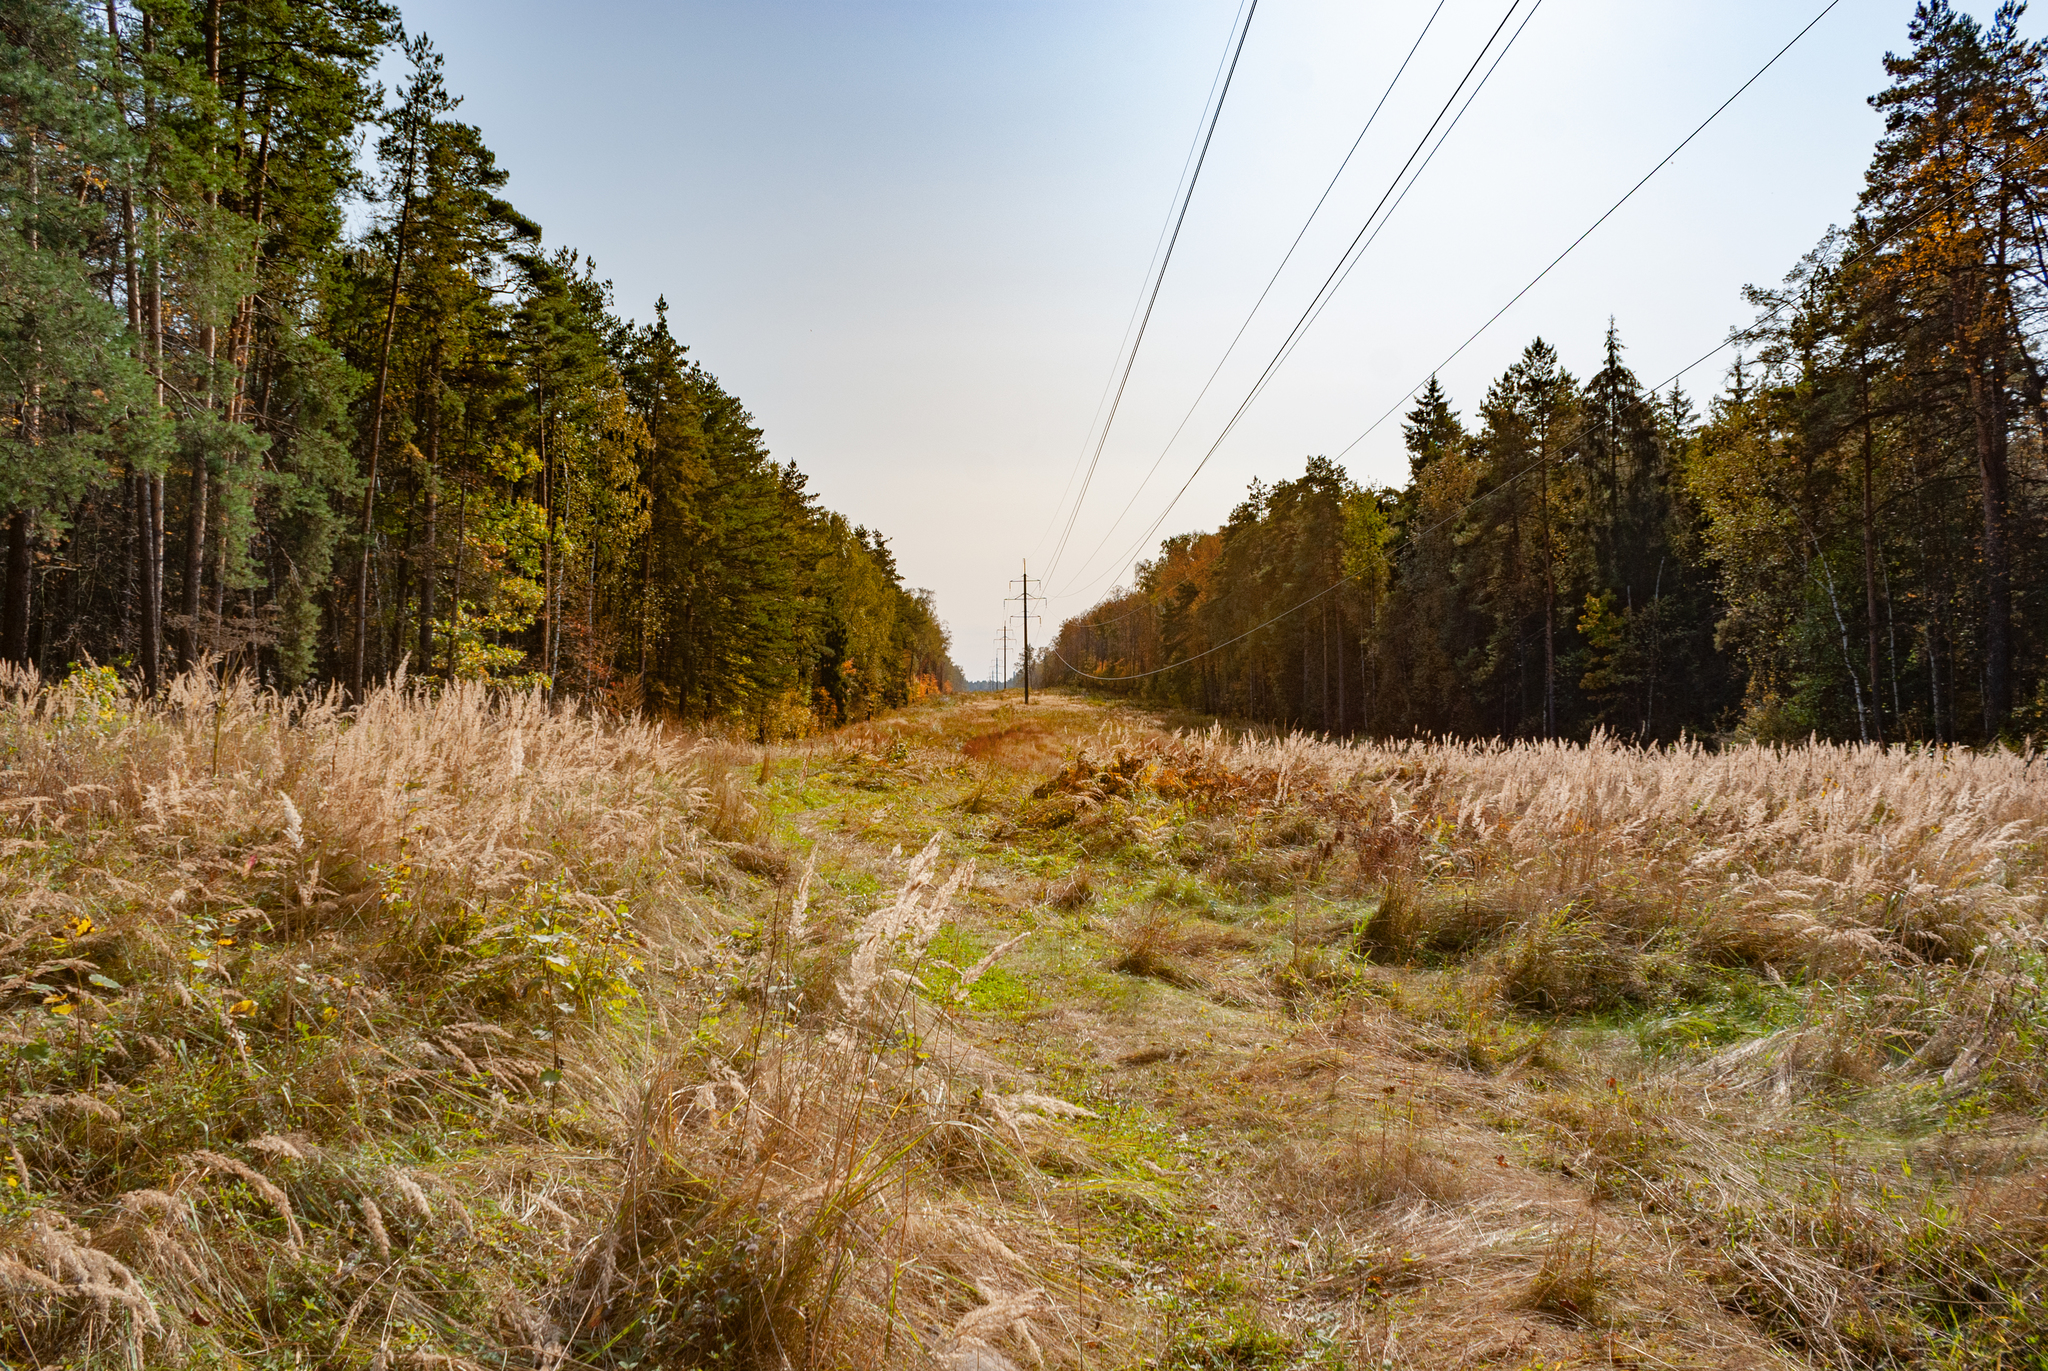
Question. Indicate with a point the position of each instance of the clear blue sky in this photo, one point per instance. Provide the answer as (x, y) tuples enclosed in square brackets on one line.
[(910, 235)]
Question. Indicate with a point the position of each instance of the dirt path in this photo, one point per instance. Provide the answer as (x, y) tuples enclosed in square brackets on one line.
[(1289, 1156)]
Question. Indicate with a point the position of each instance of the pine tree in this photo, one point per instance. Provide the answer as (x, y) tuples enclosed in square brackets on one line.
[(1948, 188), (76, 391), (1431, 430)]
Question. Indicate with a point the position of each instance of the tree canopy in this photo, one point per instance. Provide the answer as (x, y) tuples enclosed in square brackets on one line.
[(245, 436)]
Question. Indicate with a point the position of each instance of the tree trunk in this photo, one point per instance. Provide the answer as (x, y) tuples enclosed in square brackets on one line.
[(427, 574), (14, 589), (153, 511), (240, 341), (220, 564), (1870, 564), (1549, 612), (1987, 399), (1301, 714), (195, 508), (131, 565), (547, 552), (646, 590), (149, 607), (401, 572), (590, 614), (153, 591), (1656, 653), (1326, 667), (1981, 341), (455, 581), (14, 595), (146, 599), (367, 528), (429, 571)]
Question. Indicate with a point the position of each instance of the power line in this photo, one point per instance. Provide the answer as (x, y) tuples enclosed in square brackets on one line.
[(1194, 143), (1513, 300), (1735, 336), (1660, 165), (1159, 280), (1604, 217), (1273, 279), (1359, 255), (1328, 281)]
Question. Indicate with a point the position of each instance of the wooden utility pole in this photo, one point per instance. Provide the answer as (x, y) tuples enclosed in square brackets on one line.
[(1025, 597)]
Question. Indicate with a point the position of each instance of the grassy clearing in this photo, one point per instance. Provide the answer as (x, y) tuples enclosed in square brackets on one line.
[(456, 1033)]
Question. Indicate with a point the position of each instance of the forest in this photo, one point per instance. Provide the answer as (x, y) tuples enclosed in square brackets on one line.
[(1846, 543), (295, 390)]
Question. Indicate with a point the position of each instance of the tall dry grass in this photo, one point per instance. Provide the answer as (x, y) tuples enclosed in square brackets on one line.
[(429, 1032), (779, 1205), (475, 791), (1826, 855), (1888, 904), (457, 1030)]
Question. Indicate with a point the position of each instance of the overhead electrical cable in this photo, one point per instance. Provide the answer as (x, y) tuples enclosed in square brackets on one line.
[(1165, 224), (1359, 255), (1538, 277), (1288, 349), (1734, 336), (1275, 277), (1158, 280), (1604, 217), (1329, 280)]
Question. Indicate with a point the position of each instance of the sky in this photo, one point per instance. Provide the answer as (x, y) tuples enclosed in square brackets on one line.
[(912, 236)]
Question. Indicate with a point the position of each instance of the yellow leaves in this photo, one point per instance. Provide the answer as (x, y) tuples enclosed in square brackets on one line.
[(75, 927), (241, 1009), (512, 461), (1606, 633)]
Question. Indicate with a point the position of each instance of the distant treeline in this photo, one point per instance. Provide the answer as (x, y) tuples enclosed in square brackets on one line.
[(241, 433), (1849, 542)]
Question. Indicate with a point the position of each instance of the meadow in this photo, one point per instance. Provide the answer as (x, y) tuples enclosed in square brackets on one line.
[(458, 1031)]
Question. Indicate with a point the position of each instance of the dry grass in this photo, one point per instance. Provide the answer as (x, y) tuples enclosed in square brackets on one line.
[(1828, 952), (456, 1031), (1394, 1165), (1574, 1280), (1825, 856), (401, 1035)]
